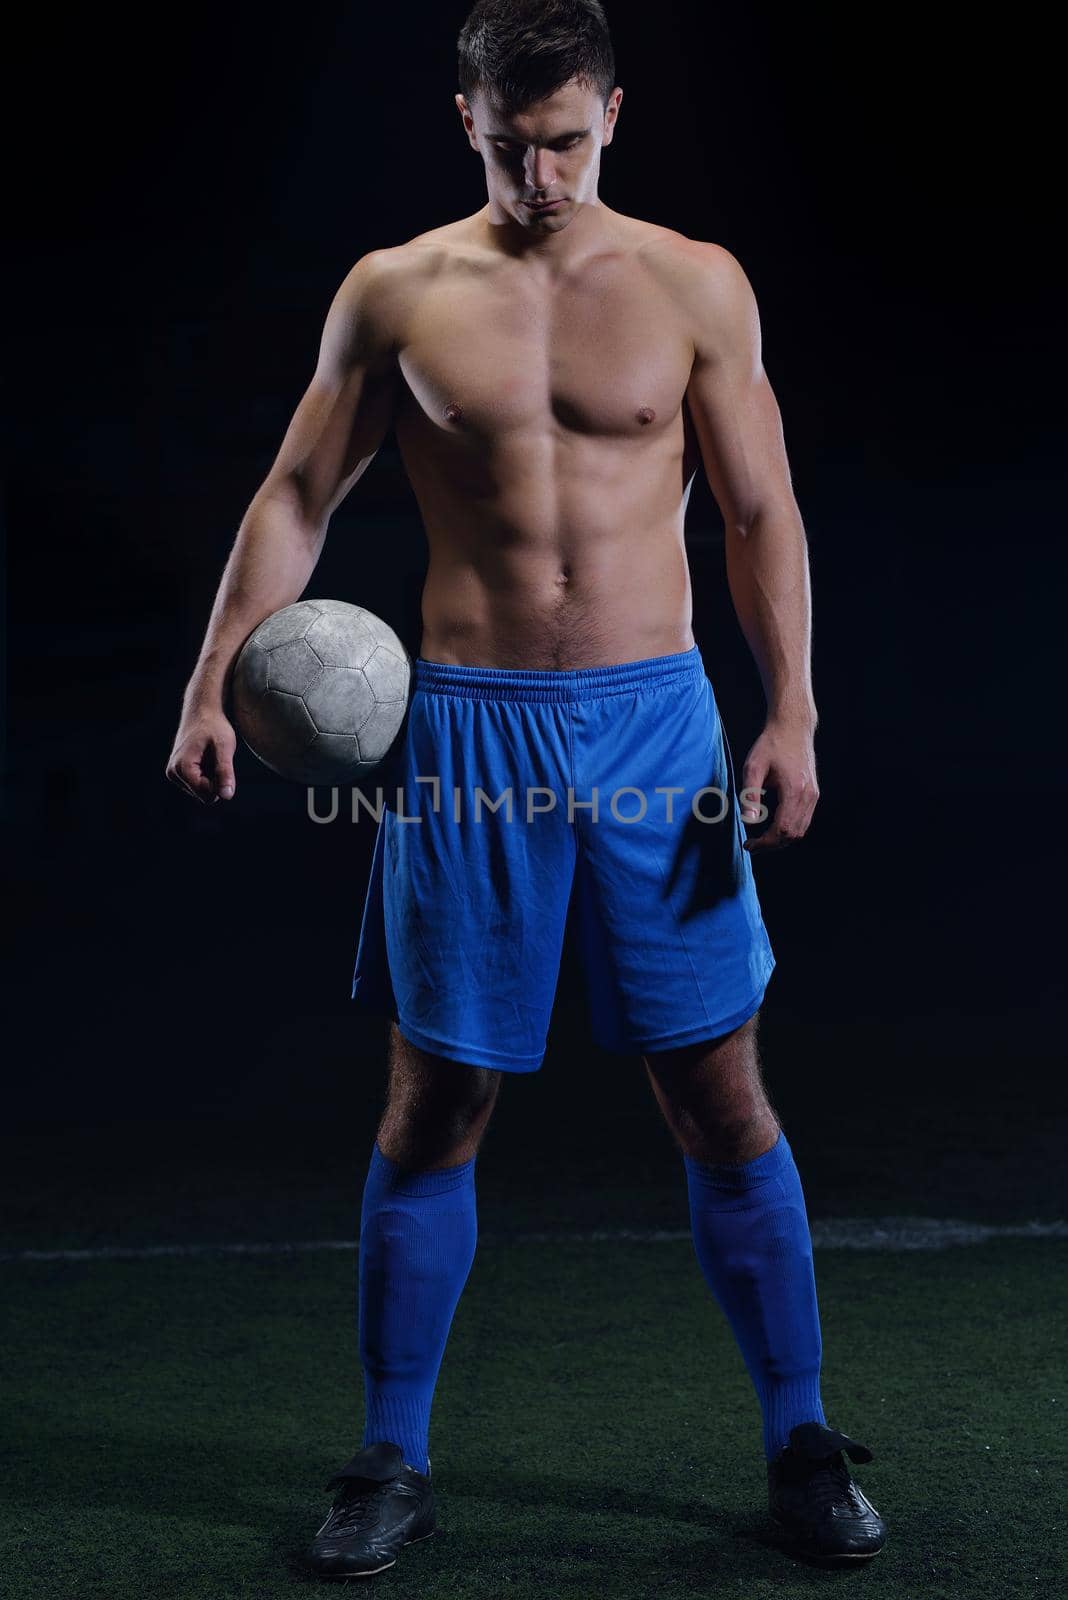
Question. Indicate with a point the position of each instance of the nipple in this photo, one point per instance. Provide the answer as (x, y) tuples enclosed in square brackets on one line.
[(453, 412), (646, 414)]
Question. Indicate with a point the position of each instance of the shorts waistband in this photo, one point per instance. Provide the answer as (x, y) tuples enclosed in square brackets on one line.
[(571, 684)]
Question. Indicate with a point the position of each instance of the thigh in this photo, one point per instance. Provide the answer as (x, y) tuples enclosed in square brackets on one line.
[(475, 890), (723, 1073), (670, 923), (428, 1086), (712, 1094)]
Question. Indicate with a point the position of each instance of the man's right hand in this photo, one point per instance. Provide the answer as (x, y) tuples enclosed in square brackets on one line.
[(202, 761)]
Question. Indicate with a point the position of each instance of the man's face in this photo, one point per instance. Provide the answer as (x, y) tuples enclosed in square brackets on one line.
[(551, 152)]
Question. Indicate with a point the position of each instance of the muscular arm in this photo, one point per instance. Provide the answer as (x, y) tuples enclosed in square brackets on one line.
[(332, 439), (739, 429), (334, 435), (737, 421)]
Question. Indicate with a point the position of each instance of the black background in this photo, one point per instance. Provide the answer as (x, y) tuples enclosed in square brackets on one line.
[(185, 201)]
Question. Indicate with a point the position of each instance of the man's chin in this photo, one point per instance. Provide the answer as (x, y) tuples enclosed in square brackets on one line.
[(554, 219)]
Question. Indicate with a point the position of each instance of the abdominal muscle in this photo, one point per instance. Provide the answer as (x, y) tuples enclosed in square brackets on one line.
[(539, 612), (584, 567)]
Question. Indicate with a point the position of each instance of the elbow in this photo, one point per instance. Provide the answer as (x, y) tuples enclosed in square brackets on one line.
[(742, 526), (761, 514), (293, 493)]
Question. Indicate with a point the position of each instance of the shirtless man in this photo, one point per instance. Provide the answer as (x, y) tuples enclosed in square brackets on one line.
[(555, 372)]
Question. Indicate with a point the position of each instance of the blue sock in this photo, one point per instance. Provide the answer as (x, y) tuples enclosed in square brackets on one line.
[(752, 1240), (418, 1232)]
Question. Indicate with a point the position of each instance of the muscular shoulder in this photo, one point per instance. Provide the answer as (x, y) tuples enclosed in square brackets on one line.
[(384, 285), (710, 287), (367, 306)]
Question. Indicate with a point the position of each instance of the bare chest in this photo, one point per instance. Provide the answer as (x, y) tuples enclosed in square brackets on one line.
[(605, 354)]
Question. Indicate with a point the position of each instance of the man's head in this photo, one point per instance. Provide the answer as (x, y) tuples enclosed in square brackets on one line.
[(539, 101)]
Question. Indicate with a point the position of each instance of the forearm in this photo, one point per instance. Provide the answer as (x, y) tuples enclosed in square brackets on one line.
[(768, 577), (273, 556)]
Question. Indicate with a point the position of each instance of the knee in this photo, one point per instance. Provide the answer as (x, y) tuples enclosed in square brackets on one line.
[(421, 1138), (437, 1110), (713, 1093), (733, 1139)]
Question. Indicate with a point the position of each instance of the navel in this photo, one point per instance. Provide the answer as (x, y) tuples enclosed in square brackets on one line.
[(646, 415), (453, 412)]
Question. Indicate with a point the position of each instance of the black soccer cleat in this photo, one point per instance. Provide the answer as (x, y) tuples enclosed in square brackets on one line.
[(812, 1497), (382, 1504)]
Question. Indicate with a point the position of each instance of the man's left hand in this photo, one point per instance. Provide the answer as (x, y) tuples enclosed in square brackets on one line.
[(783, 758)]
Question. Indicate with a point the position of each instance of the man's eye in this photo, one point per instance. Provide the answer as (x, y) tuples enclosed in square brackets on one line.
[(512, 149)]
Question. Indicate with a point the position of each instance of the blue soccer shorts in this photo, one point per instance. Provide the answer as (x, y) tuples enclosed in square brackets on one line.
[(519, 797)]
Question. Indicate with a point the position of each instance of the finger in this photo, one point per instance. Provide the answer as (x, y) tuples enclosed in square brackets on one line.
[(175, 777), (806, 805), (768, 842), (753, 789), (809, 810), (790, 816), (785, 829), (225, 782), (752, 798), (197, 781)]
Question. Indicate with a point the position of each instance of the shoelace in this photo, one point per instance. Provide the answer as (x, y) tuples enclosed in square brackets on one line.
[(827, 1483), (357, 1508)]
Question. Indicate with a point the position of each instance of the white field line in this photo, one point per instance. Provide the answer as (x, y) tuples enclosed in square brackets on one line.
[(843, 1233)]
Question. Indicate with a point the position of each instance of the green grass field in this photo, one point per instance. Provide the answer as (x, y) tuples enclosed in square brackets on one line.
[(170, 1422), (594, 1431)]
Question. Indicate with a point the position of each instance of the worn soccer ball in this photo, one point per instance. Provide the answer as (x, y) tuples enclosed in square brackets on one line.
[(320, 690)]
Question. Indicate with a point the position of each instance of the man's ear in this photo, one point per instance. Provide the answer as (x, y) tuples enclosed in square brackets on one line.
[(465, 113), (611, 113)]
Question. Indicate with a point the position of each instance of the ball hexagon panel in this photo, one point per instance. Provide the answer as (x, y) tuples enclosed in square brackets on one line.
[(380, 729), (340, 700), (293, 667), (387, 673), (292, 622), (342, 638), (338, 750), (278, 728)]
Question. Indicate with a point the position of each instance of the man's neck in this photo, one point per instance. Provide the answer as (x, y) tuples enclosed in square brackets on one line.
[(591, 223)]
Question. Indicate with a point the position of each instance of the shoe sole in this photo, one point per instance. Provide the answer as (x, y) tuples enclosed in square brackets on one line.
[(344, 1577), (815, 1555)]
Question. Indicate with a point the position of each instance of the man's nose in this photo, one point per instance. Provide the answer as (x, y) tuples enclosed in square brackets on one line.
[(541, 170)]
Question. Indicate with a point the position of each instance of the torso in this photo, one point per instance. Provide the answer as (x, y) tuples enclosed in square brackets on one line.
[(543, 427)]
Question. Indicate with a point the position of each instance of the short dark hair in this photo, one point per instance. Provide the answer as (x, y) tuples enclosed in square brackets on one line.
[(521, 51)]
